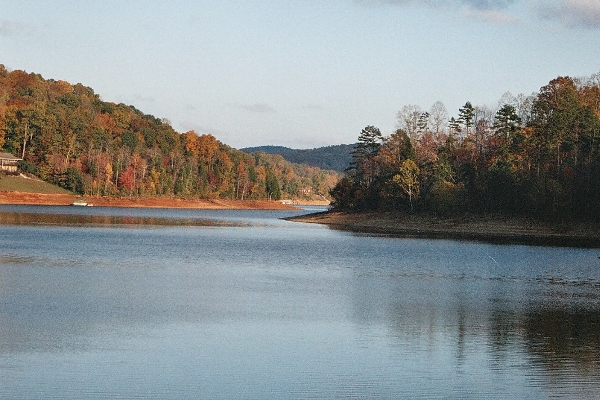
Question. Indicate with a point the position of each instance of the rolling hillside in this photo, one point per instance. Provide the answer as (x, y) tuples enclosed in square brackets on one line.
[(336, 158), (68, 136)]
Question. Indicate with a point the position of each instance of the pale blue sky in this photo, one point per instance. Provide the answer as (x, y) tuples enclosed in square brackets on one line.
[(301, 73)]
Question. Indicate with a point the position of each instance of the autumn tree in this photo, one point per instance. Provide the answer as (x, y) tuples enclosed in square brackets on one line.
[(191, 143), (127, 179), (554, 115), (242, 179), (407, 179), (394, 150), (207, 146)]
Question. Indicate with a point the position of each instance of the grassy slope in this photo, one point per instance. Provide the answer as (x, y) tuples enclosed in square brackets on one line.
[(11, 183)]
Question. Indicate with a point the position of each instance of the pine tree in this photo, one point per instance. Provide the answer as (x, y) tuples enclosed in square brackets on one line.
[(369, 143), (466, 115), (506, 124)]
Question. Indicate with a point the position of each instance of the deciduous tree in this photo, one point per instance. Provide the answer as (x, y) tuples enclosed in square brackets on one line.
[(408, 180)]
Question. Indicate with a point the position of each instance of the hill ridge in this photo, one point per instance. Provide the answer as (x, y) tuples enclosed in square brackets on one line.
[(332, 157)]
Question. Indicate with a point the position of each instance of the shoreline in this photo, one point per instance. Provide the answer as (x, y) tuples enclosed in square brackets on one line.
[(491, 229), (44, 199)]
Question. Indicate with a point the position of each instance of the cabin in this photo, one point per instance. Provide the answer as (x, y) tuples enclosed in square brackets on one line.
[(306, 191), (9, 163)]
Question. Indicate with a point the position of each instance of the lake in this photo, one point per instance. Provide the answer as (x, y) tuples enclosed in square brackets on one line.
[(104, 303)]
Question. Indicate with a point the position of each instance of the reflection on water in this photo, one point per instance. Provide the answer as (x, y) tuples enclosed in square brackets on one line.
[(249, 306), (564, 338), (29, 218)]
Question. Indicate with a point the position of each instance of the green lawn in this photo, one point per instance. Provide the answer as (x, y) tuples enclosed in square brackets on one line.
[(11, 183)]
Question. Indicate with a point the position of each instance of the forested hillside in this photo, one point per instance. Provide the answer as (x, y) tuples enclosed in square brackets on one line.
[(68, 136), (535, 155), (335, 158)]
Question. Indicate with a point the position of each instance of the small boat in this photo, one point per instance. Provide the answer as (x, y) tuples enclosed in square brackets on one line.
[(80, 203)]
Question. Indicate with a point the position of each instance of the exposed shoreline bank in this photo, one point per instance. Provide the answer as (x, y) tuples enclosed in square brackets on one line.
[(481, 228), (24, 198)]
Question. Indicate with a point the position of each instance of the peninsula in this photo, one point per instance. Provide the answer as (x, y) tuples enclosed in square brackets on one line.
[(489, 228)]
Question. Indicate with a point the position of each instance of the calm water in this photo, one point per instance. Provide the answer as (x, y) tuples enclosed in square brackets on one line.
[(173, 304)]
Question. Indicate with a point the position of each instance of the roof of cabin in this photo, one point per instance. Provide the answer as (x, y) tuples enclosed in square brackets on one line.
[(8, 156)]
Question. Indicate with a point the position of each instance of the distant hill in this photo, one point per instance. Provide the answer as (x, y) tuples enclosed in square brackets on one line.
[(335, 158)]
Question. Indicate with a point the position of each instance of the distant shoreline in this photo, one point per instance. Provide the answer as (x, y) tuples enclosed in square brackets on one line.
[(44, 199), (491, 229)]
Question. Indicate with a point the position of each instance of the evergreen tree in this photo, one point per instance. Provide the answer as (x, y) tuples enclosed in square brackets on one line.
[(367, 147), (506, 125), (423, 123), (272, 186), (466, 115), (454, 126)]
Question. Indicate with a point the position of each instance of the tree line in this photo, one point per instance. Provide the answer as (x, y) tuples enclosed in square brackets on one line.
[(68, 136), (536, 155)]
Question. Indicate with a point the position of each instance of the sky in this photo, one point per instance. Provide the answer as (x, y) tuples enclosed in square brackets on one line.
[(302, 73)]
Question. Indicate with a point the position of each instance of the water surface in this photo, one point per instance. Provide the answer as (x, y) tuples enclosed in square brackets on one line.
[(109, 303)]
